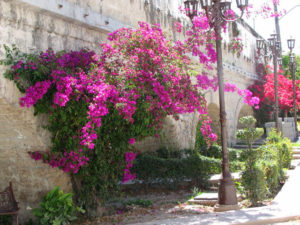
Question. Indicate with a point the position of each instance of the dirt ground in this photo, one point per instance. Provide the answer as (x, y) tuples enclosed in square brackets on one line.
[(165, 205)]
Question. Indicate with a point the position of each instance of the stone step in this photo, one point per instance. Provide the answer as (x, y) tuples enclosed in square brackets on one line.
[(255, 143), (209, 199), (295, 163), (214, 179), (245, 146), (296, 156), (207, 196), (202, 202), (296, 151)]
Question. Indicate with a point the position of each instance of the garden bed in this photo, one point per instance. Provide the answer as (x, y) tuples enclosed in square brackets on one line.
[(165, 205)]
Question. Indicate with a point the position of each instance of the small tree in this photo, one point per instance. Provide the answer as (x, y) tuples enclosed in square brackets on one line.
[(249, 134), (253, 178)]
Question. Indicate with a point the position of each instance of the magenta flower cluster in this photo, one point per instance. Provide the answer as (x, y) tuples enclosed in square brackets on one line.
[(246, 94), (71, 161), (138, 67), (129, 158), (35, 93)]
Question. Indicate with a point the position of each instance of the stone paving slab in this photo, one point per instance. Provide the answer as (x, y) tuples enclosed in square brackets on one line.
[(207, 196)]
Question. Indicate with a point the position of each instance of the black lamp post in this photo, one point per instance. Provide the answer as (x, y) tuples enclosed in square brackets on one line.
[(216, 13), (293, 66), (275, 51)]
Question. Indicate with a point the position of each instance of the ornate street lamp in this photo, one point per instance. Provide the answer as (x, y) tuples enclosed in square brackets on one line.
[(279, 61), (191, 7), (260, 43), (293, 67), (216, 13), (275, 50), (291, 44)]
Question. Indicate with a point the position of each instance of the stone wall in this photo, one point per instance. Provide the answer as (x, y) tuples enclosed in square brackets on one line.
[(286, 127), (21, 132), (35, 25)]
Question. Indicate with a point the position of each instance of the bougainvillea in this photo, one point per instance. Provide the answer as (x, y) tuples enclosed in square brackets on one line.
[(285, 91), (265, 9), (99, 105), (236, 46), (264, 90)]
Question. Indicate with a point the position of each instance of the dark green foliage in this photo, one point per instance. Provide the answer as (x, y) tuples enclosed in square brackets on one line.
[(156, 167), (283, 146), (151, 168), (139, 202), (100, 179), (5, 220), (200, 141), (249, 134), (285, 65), (254, 183), (214, 151), (264, 167), (56, 208)]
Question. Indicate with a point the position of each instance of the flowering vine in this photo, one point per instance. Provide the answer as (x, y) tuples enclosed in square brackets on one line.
[(99, 105)]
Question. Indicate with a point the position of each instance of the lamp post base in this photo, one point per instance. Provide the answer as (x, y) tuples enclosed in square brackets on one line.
[(227, 192), (224, 208), (227, 196)]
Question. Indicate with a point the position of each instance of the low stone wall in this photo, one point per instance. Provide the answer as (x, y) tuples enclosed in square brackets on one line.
[(287, 127)]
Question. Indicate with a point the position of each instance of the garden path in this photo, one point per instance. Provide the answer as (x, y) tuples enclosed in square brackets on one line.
[(284, 207)]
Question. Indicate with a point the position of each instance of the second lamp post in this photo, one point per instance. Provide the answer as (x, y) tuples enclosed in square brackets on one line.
[(293, 67), (275, 47)]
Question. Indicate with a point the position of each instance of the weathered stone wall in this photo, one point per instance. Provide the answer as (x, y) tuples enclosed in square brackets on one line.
[(286, 127), (21, 132), (35, 25)]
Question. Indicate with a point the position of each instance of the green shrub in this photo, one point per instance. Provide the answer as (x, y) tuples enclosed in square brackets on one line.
[(140, 202), (234, 154), (284, 147), (214, 151), (270, 161), (56, 208), (254, 183), (5, 219), (255, 186), (265, 167), (200, 140), (249, 134), (150, 167), (163, 167)]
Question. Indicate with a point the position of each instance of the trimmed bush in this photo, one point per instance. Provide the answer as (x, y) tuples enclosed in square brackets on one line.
[(151, 168), (164, 166), (264, 167)]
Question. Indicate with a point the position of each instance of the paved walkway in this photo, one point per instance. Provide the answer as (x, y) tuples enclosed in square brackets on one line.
[(285, 207)]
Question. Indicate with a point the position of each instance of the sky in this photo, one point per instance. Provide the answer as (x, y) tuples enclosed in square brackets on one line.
[(289, 24)]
